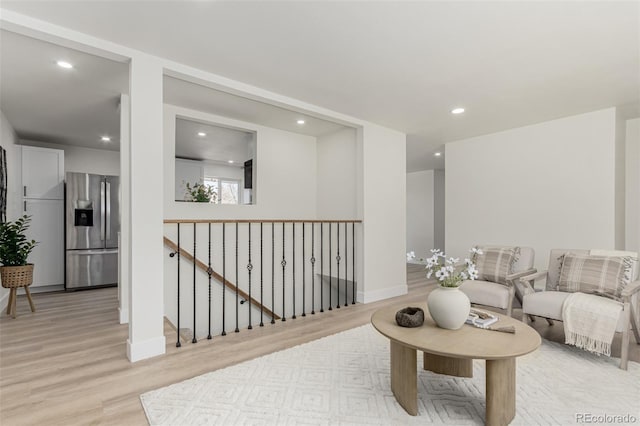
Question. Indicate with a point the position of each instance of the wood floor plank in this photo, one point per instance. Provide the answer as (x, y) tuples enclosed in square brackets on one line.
[(66, 365)]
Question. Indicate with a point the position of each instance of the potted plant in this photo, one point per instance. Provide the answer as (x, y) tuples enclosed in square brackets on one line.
[(200, 193), (14, 251)]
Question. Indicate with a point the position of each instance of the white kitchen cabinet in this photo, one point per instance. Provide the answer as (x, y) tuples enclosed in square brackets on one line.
[(47, 227), (43, 200), (42, 173)]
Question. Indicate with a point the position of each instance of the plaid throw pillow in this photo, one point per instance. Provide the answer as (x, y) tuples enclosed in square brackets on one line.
[(495, 263), (606, 276)]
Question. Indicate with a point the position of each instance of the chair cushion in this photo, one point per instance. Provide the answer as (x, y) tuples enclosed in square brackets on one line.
[(601, 275), (548, 304), (486, 293), (495, 263)]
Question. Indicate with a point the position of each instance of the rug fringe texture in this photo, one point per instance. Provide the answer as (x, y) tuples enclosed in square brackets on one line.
[(344, 380)]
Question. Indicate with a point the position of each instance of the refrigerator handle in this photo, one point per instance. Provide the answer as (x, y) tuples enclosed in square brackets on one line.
[(108, 204), (102, 210)]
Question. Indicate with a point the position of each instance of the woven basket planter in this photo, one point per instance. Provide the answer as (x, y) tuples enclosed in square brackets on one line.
[(16, 276)]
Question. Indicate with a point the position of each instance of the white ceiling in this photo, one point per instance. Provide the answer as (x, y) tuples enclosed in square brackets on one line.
[(399, 64), (47, 103), (220, 144)]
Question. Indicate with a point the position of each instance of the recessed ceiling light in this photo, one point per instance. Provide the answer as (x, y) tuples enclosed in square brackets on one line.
[(300, 121), (230, 161), (202, 134), (437, 154), (64, 64), (105, 139), (457, 111)]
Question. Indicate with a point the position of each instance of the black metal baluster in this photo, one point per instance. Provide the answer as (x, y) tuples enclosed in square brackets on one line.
[(353, 260), (273, 273), (321, 267), (224, 276), (293, 263), (237, 281), (178, 344), (249, 268), (330, 276), (346, 266), (303, 274), (338, 264), (284, 264), (261, 280), (313, 268), (194, 340), (209, 271)]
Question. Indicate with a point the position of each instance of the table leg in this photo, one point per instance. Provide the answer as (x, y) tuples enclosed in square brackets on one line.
[(404, 377), (500, 392), (445, 365), (10, 301), (33, 307)]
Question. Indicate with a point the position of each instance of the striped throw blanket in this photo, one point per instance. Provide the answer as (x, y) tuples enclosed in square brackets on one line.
[(590, 322)]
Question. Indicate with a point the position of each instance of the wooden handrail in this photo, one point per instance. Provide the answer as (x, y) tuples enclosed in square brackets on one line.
[(261, 221), (183, 253)]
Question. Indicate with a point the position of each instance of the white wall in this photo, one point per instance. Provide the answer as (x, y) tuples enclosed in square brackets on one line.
[(8, 141), (382, 181), (549, 185), (632, 166), (285, 165), (620, 178), (439, 209), (146, 296), (420, 212), (337, 175), (84, 160)]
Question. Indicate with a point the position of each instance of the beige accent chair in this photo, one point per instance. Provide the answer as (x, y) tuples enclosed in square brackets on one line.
[(496, 295), (548, 303)]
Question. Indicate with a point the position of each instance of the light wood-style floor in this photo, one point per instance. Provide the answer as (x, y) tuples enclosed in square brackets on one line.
[(66, 363)]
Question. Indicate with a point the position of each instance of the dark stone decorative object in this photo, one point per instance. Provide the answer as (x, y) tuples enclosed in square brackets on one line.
[(410, 317)]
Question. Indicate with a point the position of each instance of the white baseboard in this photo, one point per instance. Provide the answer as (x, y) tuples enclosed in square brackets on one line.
[(123, 315), (145, 349), (385, 293)]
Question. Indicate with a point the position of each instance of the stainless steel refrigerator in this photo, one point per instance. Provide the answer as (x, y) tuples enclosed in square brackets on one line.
[(92, 212)]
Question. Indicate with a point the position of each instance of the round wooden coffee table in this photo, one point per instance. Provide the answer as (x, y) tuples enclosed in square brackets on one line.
[(452, 352)]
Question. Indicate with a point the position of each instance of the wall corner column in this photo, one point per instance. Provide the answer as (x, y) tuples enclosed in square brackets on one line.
[(146, 304), (382, 181)]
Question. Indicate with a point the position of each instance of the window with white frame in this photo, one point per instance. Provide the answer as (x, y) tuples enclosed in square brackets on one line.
[(227, 190)]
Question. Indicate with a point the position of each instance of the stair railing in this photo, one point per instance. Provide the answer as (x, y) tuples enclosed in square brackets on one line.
[(296, 279)]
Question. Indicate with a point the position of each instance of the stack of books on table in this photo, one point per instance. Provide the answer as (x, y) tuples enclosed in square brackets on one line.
[(481, 318)]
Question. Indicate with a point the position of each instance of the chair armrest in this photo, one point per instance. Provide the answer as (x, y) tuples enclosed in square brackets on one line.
[(527, 280), (631, 289), (515, 276), (533, 277)]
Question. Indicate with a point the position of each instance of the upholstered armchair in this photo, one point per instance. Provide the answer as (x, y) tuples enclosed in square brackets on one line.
[(499, 269), (549, 304)]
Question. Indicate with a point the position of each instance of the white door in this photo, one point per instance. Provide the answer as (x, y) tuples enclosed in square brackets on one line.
[(47, 227), (42, 173)]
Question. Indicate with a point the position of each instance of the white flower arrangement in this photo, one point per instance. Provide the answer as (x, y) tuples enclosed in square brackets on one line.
[(445, 269)]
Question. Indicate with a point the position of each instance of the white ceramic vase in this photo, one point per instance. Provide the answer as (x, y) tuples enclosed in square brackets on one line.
[(449, 307)]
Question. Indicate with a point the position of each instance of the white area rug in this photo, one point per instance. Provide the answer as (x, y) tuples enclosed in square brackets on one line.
[(344, 379)]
